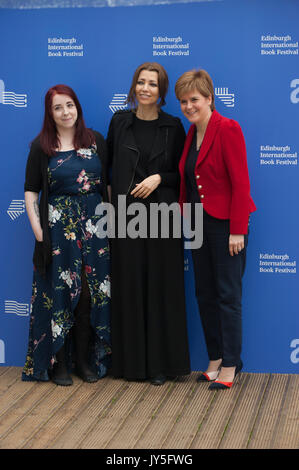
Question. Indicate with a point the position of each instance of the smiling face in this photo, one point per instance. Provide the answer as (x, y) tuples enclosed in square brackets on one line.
[(64, 112), (147, 88), (196, 107)]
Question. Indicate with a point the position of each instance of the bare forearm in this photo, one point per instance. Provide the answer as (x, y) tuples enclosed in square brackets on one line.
[(31, 201)]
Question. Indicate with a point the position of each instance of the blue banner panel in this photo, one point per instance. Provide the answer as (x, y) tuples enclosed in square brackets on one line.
[(250, 48)]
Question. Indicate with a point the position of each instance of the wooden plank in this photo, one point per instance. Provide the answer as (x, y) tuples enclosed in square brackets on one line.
[(68, 411), (86, 420), (3, 369), (286, 433), (46, 398), (15, 392), (141, 417), (211, 430), (113, 417), (241, 423), (270, 409), (16, 410), (10, 375), (162, 422), (138, 419), (186, 426)]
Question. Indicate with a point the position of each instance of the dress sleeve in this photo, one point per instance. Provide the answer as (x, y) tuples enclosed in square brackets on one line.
[(33, 174)]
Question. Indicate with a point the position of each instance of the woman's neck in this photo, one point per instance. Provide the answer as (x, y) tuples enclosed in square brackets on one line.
[(201, 128), (202, 125), (147, 113), (66, 139)]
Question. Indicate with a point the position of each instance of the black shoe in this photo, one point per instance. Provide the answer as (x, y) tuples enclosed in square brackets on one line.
[(86, 374), (63, 379), (60, 375), (207, 376), (218, 385), (158, 380)]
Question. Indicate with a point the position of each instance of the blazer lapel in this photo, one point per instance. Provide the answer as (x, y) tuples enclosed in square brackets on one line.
[(209, 136)]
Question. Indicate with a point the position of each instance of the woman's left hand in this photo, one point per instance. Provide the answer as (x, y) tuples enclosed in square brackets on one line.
[(235, 244), (146, 187)]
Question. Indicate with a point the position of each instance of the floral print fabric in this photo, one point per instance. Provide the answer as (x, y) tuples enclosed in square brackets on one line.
[(74, 193)]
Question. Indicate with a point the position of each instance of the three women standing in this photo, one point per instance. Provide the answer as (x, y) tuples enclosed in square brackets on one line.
[(148, 318), (70, 304), (71, 287)]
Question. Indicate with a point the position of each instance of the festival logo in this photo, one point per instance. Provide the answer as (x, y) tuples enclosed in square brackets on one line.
[(295, 93), (12, 98), (16, 308), (275, 263), (228, 99), (2, 351), (16, 208), (118, 102), (295, 352)]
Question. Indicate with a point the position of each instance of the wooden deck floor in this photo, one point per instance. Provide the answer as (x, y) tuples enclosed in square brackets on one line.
[(261, 411)]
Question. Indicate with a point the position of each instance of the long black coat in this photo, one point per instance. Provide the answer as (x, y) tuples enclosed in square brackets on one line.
[(148, 317)]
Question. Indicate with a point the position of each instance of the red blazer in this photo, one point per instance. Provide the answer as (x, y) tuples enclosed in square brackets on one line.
[(221, 172)]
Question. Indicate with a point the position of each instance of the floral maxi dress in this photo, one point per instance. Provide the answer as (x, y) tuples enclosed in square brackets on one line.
[(74, 194)]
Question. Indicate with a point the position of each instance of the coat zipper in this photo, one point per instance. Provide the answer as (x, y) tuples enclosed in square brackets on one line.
[(135, 150)]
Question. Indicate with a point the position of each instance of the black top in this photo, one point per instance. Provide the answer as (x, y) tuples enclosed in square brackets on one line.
[(191, 184), (144, 133)]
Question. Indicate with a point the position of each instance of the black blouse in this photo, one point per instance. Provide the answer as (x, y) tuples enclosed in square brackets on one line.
[(191, 184)]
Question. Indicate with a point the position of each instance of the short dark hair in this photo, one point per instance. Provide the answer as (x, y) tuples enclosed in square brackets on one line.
[(163, 82)]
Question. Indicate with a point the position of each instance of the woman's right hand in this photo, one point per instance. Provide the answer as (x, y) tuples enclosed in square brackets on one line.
[(39, 236), (235, 244), (31, 202)]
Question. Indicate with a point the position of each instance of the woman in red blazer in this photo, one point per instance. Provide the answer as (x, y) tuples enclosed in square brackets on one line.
[(214, 172)]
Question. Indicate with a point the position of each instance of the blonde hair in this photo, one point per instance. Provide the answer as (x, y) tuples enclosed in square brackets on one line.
[(198, 80)]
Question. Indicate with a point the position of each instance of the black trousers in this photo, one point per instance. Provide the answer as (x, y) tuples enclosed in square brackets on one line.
[(218, 285)]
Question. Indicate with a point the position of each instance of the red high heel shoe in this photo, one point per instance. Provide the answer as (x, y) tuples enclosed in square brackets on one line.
[(218, 385)]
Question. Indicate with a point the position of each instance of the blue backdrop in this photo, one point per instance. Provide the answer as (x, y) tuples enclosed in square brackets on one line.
[(250, 48)]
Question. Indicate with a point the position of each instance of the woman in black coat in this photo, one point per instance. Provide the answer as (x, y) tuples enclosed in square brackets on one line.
[(148, 322)]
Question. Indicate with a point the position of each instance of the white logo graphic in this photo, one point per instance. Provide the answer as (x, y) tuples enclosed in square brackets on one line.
[(2, 351), (9, 97), (228, 99), (295, 93), (16, 208), (118, 102), (295, 353), (12, 306)]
